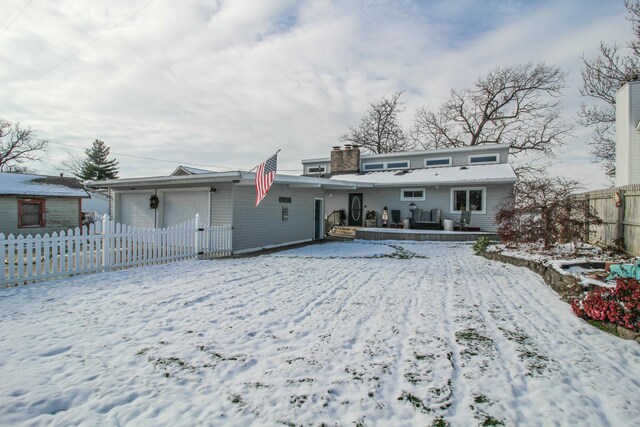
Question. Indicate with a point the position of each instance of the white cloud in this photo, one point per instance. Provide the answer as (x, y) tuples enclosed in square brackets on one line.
[(229, 82)]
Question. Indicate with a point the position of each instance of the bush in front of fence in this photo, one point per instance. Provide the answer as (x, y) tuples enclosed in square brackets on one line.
[(619, 305)]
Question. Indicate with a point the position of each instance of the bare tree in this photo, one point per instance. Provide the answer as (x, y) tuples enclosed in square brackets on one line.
[(515, 104), (379, 130), (545, 210), (73, 164), (17, 146), (601, 79)]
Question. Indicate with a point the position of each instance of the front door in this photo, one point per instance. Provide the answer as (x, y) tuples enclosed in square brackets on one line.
[(355, 210), (317, 219)]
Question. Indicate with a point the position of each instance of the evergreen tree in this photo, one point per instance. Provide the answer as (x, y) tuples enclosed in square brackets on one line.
[(97, 166)]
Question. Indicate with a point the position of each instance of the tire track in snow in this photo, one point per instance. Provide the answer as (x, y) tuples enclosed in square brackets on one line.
[(425, 381), (510, 367), (575, 384)]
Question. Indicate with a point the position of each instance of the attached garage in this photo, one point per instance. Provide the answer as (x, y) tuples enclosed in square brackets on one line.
[(134, 209), (178, 206)]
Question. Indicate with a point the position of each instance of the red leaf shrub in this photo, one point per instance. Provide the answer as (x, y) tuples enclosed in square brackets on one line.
[(620, 306)]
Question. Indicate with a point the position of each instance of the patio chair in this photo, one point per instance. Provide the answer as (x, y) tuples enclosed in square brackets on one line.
[(396, 219), (465, 220)]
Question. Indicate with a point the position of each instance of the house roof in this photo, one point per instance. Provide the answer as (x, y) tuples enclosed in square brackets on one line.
[(438, 151), (452, 175), (186, 170), (203, 179), (40, 185), (494, 173)]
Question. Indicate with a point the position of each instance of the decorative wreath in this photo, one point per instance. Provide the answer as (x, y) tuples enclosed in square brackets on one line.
[(154, 202)]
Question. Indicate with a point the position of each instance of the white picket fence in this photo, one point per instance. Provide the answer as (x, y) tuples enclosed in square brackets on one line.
[(106, 245)]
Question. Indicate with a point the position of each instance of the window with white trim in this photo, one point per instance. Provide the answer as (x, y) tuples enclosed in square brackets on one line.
[(484, 159), (437, 162), (468, 199), (317, 169), (398, 164), (413, 195), (372, 166)]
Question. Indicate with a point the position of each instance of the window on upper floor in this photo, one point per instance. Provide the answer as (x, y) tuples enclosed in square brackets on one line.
[(484, 159), (31, 213), (398, 164), (317, 169), (437, 162)]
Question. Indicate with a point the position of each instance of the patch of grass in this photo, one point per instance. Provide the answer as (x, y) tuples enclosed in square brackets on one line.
[(536, 362), (301, 380), (143, 351), (440, 422), (606, 327), (475, 342), (298, 399), (415, 401), (481, 398), (490, 421), (236, 399), (359, 422), (412, 377), (257, 385)]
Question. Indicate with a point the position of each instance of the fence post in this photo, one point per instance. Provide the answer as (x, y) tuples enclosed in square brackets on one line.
[(197, 241), (621, 209), (106, 246)]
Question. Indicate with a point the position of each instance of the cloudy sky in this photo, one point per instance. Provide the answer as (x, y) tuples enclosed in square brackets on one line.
[(224, 84)]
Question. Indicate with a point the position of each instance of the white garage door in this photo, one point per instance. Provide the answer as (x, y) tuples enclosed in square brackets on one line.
[(135, 210), (181, 206)]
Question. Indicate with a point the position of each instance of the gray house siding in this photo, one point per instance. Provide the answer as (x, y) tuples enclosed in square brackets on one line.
[(417, 161), (377, 198), (264, 226), (61, 214), (222, 204)]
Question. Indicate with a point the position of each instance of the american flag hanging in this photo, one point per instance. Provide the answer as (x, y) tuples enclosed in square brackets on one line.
[(265, 175)]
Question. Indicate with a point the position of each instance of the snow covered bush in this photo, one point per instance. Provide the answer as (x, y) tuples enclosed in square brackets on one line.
[(620, 305)]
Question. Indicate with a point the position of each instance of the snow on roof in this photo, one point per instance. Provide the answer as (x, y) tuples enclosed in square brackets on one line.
[(502, 172), (40, 185)]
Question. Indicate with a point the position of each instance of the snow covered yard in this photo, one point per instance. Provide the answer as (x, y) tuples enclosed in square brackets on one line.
[(364, 333)]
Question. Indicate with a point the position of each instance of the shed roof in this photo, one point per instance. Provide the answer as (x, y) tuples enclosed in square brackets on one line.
[(40, 185), (187, 170)]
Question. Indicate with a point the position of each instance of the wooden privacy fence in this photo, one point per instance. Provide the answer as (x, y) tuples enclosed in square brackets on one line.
[(620, 224), (105, 246)]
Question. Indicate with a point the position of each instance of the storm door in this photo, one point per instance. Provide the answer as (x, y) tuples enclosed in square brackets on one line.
[(355, 210)]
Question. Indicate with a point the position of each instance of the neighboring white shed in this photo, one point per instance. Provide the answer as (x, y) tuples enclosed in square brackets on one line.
[(98, 203), (628, 134)]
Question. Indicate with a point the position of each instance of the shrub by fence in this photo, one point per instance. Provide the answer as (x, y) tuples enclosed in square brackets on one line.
[(105, 246)]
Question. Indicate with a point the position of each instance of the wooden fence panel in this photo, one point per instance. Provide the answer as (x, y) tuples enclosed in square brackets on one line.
[(620, 224)]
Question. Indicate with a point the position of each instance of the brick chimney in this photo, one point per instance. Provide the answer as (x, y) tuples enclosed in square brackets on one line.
[(346, 160)]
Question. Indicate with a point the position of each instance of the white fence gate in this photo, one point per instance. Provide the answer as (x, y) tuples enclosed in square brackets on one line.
[(104, 246)]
